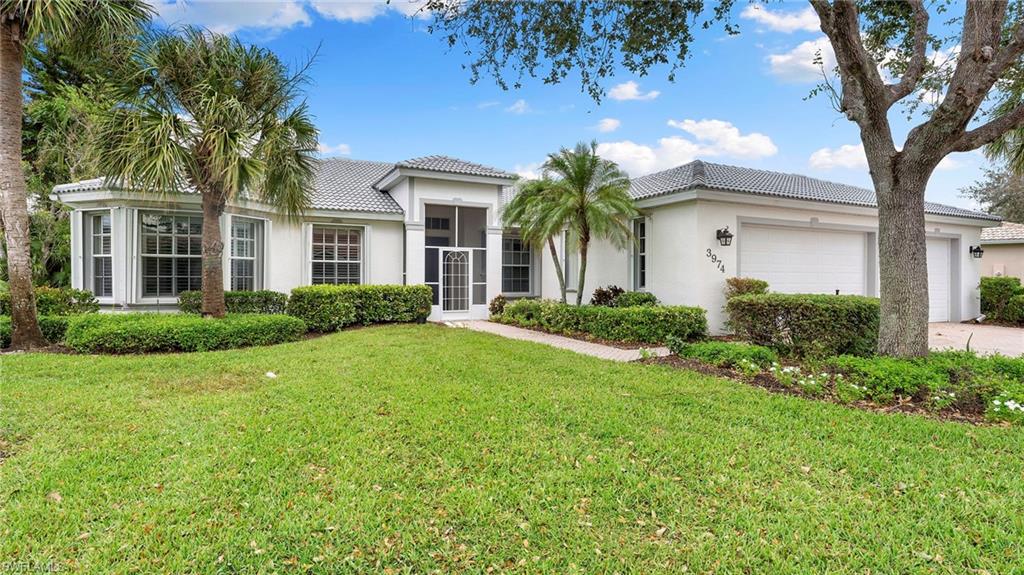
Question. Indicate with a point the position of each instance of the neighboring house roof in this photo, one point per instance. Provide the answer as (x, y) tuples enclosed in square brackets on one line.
[(450, 165), (1007, 233), (348, 185), (706, 175)]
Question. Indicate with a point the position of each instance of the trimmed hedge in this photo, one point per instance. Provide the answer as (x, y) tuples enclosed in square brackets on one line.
[(53, 328), (327, 308), (646, 324), (724, 353), (1014, 310), (807, 324), (744, 286), (56, 301), (263, 301), (996, 293), (150, 332), (635, 299)]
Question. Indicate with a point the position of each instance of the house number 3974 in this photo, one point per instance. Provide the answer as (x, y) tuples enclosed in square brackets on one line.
[(716, 261)]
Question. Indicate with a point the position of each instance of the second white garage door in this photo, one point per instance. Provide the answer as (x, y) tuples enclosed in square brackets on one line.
[(795, 260)]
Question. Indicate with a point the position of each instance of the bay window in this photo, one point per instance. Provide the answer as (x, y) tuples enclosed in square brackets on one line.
[(171, 253), (99, 267)]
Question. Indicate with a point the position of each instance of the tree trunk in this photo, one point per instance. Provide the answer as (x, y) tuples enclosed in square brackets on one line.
[(584, 245), (558, 267), (213, 251), (903, 262), (14, 204)]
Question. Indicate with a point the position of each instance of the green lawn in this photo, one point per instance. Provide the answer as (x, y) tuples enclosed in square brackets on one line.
[(421, 448)]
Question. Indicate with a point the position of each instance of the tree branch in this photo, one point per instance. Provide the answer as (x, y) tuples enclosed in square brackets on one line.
[(989, 131), (915, 67)]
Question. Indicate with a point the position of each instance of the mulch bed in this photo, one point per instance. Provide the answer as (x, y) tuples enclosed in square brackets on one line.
[(768, 382)]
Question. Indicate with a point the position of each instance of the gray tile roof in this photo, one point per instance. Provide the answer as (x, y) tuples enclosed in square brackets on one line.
[(1008, 232), (454, 166), (706, 175), (347, 185)]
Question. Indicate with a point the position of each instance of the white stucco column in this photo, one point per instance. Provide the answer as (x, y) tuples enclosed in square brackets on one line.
[(493, 262), (414, 243)]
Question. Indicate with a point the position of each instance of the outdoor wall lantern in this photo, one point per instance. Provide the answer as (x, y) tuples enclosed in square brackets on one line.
[(976, 251), (724, 236)]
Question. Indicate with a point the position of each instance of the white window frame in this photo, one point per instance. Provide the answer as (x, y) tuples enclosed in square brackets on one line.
[(529, 265), (89, 270), (363, 251), (140, 255), (258, 255), (641, 250)]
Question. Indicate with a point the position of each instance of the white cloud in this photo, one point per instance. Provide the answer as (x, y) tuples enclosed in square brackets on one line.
[(366, 10), (851, 157), (485, 105), (230, 17), (713, 138), (631, 91), (530, 171), (338, 150), (608, 125), (722, 138), (798, 65), (519, 107), (804, 20)]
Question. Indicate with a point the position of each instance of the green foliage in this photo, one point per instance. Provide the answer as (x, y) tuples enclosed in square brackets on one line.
[(744, 286), (53, 328), (153, 333), (885, 377), (999, 192), (807, 325), (497, 305), (606, 296), (1014, 310), (634, 299), (996, 293), (724, 353), (56, 301), (263, 301), (1008, 403), (327, 308), (647, 324)]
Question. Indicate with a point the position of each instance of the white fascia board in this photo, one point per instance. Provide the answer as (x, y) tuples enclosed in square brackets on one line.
[(398, 174), (793, 203), (1002, 242)]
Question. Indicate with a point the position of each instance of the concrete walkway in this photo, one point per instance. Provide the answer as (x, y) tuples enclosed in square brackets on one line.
[(584, 347), (985, 339)]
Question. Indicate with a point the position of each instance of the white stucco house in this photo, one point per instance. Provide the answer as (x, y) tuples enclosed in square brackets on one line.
[(436, 220)]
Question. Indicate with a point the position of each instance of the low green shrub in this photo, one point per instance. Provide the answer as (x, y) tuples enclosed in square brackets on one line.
[(635, 299), (996, 293), (644, 324), (606, 296), (497, 305), (1007, 404), (327, 308), (884, 378), (263, 301), (725, 353), (807, 325), (56, 301), (151, 332), (1014, 310), (53, 328), (744, 286)]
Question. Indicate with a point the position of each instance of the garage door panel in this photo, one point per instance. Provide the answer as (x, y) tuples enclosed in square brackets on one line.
[(938, 279), (794, 260)]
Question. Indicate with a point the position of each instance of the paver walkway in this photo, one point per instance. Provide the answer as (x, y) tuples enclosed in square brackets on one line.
[(984, 338), (585, 347)]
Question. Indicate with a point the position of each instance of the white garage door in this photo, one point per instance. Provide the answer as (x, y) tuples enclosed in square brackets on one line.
[(794, 260), (938, 279)]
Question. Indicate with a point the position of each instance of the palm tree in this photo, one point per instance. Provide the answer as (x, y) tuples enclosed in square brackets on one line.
[(218, 117), (528, 212), (590, 195), (73, 25)]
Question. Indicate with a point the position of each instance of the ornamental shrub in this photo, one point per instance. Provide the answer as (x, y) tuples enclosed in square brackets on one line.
[(56, 301), (996, 293), (497, 305), (53, 328), (263, 301), (327, 308), (744, 286), (886, 377), (151, 332), (644, 324), (1014, 310), (807, 325), (724, 353), (634, 299), (606, 296)]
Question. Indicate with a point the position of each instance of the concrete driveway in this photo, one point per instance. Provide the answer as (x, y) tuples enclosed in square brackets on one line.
[(985, 339)]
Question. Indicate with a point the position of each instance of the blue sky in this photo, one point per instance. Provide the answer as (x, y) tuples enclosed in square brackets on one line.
[(384, 89)]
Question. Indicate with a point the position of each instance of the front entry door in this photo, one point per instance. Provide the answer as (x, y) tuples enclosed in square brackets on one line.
[(455, 275)]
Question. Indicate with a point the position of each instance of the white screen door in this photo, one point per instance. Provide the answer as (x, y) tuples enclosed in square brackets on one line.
[(455, 280)]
